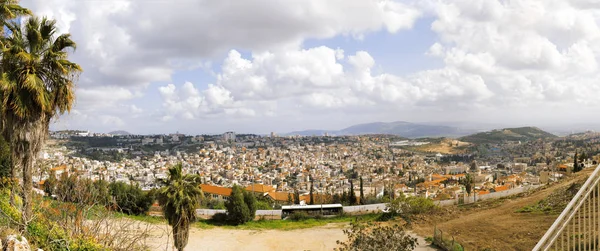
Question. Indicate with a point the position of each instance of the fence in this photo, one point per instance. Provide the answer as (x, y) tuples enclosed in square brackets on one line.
[(364, 209), (578, 226), (448, 244), (475, 197), (276, 214), (375, 208)]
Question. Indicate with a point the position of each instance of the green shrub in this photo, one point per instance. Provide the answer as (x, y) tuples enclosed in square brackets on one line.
[(263, 205), (298, 216), (219, 218), (131, 199)]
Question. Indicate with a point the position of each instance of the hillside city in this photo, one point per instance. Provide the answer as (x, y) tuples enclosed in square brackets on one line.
[(283, 165)]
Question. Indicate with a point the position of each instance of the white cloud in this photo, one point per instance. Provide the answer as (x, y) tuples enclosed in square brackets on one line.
[(496, 55)]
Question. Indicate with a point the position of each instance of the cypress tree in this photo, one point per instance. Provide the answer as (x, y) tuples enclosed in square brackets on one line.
[(296, 197), (351, 195), (251, 204), (362, 193), (575, 164), (312, 200), (237, 210)]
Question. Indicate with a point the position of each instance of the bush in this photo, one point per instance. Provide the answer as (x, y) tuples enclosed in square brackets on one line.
[(215, 204), (219, 218), (408, 206), (263, 205), (130, 199), (369, 236), (298, 216)]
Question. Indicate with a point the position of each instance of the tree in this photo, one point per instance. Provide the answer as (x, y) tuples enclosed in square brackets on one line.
[(6, 167), (252, 205), (362, 193), (237, 210), (351, 195), (290, 199), (37, 84), (179, 197), (50, 184), (373, 237), (576, 166), (468, 183), (130, 198), (296, 197), (312, 200)]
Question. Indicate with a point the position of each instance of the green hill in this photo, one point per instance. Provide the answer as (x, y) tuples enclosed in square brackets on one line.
[(508, 134)]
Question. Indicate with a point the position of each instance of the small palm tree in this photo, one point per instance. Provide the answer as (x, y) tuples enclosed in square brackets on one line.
[(37, 83), (179, 198)]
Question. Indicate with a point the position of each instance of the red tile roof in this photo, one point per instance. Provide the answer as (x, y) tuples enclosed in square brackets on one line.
[(223, 191)]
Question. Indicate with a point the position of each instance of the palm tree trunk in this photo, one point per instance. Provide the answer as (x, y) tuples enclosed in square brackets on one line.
[(26, 139), (181, 234)]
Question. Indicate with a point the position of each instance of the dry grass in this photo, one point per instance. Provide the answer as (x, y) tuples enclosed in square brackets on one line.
[(498, 224)]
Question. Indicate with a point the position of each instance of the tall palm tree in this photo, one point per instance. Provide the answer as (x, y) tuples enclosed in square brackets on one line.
[(10, 9), (179, 198), (37, 83)]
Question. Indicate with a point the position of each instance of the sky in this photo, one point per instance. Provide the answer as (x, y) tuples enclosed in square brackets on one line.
[(259, 66)]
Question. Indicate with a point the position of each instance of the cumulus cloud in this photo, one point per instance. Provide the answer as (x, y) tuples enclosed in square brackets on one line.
[(495, 55)]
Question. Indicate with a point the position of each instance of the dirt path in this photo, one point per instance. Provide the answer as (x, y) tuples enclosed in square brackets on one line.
[(318, 238), (497, 227)]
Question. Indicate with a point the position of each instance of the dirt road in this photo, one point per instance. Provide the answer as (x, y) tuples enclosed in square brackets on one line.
[(318, 238)]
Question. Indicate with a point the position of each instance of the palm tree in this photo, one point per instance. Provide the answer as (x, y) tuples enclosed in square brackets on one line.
[(9, 9), (37, 84), (179, 198)]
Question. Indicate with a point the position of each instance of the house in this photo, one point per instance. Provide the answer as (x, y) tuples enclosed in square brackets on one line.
[(260, 189), (215, 192), (280, 196), (59, 170)]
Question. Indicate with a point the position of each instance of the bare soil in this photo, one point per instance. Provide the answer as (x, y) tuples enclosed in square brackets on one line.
[(446, 146), (495, 224), (317, 238)]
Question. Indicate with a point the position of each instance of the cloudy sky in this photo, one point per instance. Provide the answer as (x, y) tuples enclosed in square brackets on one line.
[(204, 66)]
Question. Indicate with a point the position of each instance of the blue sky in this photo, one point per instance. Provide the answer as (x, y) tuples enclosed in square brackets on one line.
[(470, 61)]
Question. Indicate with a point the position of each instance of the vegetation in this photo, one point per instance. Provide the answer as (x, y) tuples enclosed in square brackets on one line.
[(37, 84), (370, 236), (508, 134), (407, 207), (6, 167), (179, 198), (218, 221), (468, 183), (241, 206), (130, 199), (351, 195), (555, 202)]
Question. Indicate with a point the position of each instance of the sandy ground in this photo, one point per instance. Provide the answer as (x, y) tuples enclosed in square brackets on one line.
[(318, 238), (497, 226)]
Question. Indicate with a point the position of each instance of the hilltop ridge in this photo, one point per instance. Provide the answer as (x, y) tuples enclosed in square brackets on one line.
[(400, 128), (508, 134)]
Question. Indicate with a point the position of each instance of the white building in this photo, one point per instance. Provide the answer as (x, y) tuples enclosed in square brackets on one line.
[(229, 136)]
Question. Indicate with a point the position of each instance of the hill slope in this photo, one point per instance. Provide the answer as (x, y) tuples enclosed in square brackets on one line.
[(498, 224), (400, 128), (508, 134)]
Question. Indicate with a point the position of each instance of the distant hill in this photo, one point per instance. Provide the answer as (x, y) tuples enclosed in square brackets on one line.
[(508, 134), (400, 128), (119, 133)]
